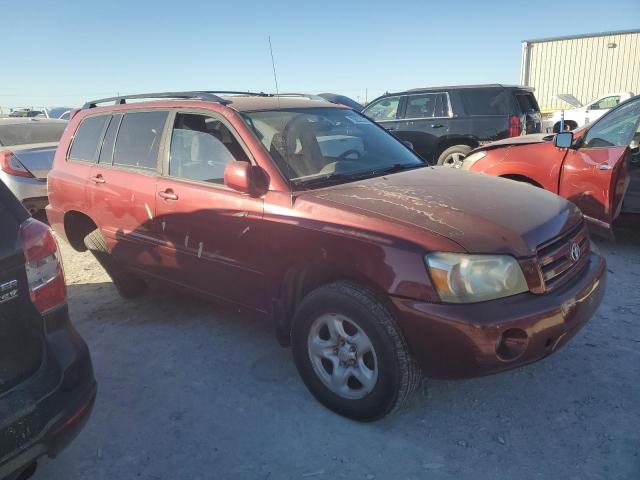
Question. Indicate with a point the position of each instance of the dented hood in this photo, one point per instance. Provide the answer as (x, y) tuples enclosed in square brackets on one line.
[(521, 140), (482, 214)]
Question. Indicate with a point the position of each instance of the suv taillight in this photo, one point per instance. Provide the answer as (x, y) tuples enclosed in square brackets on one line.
[(515, 126), (44, 265), (10, 164)]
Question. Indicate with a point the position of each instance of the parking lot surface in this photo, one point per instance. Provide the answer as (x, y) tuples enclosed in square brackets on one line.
[(191, 390)]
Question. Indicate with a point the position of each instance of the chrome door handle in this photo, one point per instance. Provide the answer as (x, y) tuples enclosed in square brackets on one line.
[(97, 179), (168, 195), (436, 125)]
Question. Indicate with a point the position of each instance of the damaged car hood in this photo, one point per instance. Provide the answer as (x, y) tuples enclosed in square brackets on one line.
[(482, 214)]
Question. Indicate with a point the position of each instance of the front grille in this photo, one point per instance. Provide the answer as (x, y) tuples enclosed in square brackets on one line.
[(555, 257)]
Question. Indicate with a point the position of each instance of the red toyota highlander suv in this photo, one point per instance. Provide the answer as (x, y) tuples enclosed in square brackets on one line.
[(372, 265)]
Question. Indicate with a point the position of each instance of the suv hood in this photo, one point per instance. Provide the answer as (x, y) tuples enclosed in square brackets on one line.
[(482, 214), (570, 99)]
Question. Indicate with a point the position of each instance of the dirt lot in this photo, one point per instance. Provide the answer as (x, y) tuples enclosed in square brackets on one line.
[(189, 390)]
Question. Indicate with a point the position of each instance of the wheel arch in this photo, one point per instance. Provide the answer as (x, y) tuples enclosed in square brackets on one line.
[(78, 225), (521, 178), (300, 280)]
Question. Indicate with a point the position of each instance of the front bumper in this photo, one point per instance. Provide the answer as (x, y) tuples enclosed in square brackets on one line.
[(44, 413), (460, 340)]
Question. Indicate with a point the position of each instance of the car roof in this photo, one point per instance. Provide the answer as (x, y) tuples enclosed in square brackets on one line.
[(458, 87), (253, 103), (30, 120)]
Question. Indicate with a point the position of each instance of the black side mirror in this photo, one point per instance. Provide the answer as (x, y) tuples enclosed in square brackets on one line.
[(407, 144), (563, 140)]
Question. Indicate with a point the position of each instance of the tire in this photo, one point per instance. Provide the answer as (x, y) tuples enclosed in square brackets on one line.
[(388, 371), (127, 284), (453, 156)]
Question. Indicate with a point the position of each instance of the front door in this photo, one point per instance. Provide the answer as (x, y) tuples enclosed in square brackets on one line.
[(424, 121), (596, 175), (211, 235)]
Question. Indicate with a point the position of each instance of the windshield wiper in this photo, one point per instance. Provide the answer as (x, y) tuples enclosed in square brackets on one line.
[(335, 178)]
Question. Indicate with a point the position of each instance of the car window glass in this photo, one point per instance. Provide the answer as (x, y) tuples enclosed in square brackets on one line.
[(319, 143), (201, 147), (485, 101), (30, 132), (616, 129), (85, 141), (606, 103), (138, 139), (426, 106), (385, 109), (527, 102), (106, 152)]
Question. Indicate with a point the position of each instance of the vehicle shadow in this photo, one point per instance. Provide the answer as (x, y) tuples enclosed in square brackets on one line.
[(207, 378)]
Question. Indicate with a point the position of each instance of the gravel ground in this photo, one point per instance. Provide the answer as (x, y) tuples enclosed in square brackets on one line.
[(190, 390)]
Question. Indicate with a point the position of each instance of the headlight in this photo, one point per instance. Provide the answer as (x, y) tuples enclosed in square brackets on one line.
[(473, 158), (460, 278)]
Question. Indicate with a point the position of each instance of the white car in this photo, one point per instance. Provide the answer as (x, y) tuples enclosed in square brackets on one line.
[(583, 114)]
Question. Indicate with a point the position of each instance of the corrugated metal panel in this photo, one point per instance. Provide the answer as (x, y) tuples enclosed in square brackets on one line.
[(583, 66)]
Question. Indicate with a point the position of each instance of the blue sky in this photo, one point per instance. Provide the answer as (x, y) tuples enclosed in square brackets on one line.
[(60, 53)]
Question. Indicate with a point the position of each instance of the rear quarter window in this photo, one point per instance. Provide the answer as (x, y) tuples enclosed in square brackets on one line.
[(486, 101), (85, 142), (527, 102), (138, 139)]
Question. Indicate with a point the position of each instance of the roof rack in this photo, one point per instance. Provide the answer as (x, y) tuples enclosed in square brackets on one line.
[(310, 96), (121, 100)]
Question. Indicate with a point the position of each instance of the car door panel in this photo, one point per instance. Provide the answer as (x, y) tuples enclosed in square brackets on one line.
[(122, 187), (211, 238), (596, 181), (211, 235)]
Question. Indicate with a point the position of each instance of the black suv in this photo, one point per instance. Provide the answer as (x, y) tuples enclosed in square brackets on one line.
[(47, 387), (444, 123)]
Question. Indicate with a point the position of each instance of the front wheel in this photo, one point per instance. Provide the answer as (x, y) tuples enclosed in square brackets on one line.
[(454, 156), (350, 352)]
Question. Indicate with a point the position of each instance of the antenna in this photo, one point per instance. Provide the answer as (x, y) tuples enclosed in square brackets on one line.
[(275, 77)]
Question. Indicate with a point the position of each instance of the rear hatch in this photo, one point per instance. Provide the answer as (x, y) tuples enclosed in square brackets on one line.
[(21, 327), (528, 110), (37, 158)]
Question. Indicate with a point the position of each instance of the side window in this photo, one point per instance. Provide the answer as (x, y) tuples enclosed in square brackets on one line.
[(201, 147), (85, 141), (106, 152), (486, 101), (138, 139), (384, 109), (427, 106), (606, 103), (616, 129)]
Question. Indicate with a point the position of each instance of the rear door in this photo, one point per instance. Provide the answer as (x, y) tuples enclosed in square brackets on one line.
[(596, 175), (424, 120), (21, 327), (212, 236), (122, 187)]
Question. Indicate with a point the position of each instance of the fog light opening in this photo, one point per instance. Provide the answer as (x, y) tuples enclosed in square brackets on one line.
[(511, 344)]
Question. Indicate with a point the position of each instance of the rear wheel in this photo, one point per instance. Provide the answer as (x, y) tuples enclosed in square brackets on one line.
[(453, 156), (351, 354), (127, 284)]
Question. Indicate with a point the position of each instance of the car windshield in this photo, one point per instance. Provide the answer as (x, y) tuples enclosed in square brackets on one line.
[(32, 132), (320, 146)]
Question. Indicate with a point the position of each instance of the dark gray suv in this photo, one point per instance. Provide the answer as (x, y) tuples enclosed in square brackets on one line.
[(445, 123)]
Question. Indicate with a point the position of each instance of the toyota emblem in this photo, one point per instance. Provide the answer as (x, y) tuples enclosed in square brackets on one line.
[(574, 252)]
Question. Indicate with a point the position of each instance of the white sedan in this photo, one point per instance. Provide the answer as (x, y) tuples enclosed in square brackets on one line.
[(583, 114)]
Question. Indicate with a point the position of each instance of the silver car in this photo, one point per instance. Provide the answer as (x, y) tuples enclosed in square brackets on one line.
[(27, 148)]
